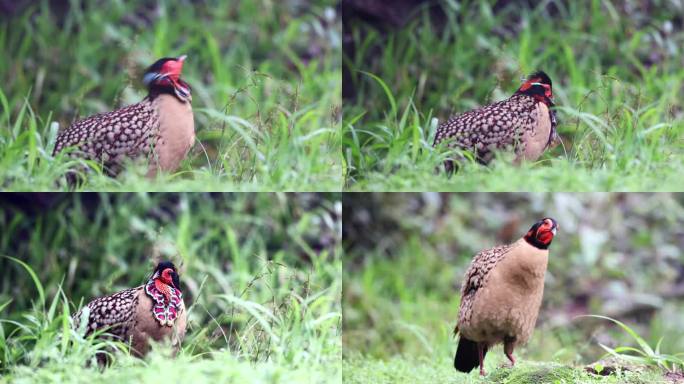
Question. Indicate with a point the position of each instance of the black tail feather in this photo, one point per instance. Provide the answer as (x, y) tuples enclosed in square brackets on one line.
[(466, 355)]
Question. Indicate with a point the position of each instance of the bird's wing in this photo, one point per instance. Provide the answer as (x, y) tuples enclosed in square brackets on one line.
[(458, 130), (494, 126), (114, 311), (482, 263), (83, 131), (111, 133), (476, 276)]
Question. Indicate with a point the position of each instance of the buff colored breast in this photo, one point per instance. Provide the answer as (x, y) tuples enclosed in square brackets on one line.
[(508, 303), (176, 134), (537, 138)]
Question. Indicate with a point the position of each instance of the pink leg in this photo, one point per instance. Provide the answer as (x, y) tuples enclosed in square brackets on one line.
[(480, 353), (511, 358), (508, 350)]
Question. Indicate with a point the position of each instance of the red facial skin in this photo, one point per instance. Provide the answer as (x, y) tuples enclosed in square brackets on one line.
[(544, 232), (171, 70), (164, 282), (545, 236)]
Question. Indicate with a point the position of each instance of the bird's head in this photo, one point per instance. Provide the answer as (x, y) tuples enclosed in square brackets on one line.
[(538, 85), (542, 233), (166, 273), (164, 77)]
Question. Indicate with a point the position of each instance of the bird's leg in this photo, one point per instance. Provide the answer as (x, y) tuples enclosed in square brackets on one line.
[(480, 355), (508, 349), (449, 167)]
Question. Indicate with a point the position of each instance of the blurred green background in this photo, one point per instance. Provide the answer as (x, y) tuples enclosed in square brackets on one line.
[(616, 255), (617, 75), (265, 77), (260, 273)]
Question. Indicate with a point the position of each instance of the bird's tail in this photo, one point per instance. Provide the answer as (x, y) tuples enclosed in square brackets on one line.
[(466, 355)]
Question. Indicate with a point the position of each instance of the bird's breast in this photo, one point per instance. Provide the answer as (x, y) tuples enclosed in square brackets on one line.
[(509, 301), (536, 137), (157, 318), (176, 133), (147, 326)]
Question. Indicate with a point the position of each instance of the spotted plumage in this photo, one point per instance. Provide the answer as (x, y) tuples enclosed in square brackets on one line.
[(476, 277), (154, 311), (524, 123), (501, 295), (114, 311), (159, 128)]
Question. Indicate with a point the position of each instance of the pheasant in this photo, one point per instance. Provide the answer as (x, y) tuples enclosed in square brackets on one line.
[(154, 311), (160, 127), (524, 122), (500, 296)]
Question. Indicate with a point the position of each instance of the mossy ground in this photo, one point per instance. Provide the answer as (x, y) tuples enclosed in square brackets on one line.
[(358, 369)]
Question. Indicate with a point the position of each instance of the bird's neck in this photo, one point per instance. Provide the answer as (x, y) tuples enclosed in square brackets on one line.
[(527, 261), (164, 288), (163, 293), (538, 98), (157, 90)]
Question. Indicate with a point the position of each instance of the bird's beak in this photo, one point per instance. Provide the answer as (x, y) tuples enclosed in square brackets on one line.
[(553, 230)]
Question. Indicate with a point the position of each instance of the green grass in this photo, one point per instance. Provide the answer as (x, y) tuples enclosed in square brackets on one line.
[(265, 77), (643, 354), (438, 370), (261, 278), (616, 78), (220, 367)]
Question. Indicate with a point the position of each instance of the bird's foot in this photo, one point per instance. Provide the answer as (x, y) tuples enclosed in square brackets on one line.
[(511, 358)]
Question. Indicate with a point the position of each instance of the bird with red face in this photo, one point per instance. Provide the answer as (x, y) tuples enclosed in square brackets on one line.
[(500, 296), (159, 128), (154, 310), (524, 123)]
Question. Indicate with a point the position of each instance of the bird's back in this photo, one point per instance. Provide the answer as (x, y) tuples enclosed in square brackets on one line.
[(497, 126), (115, 311), (110, 137)]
